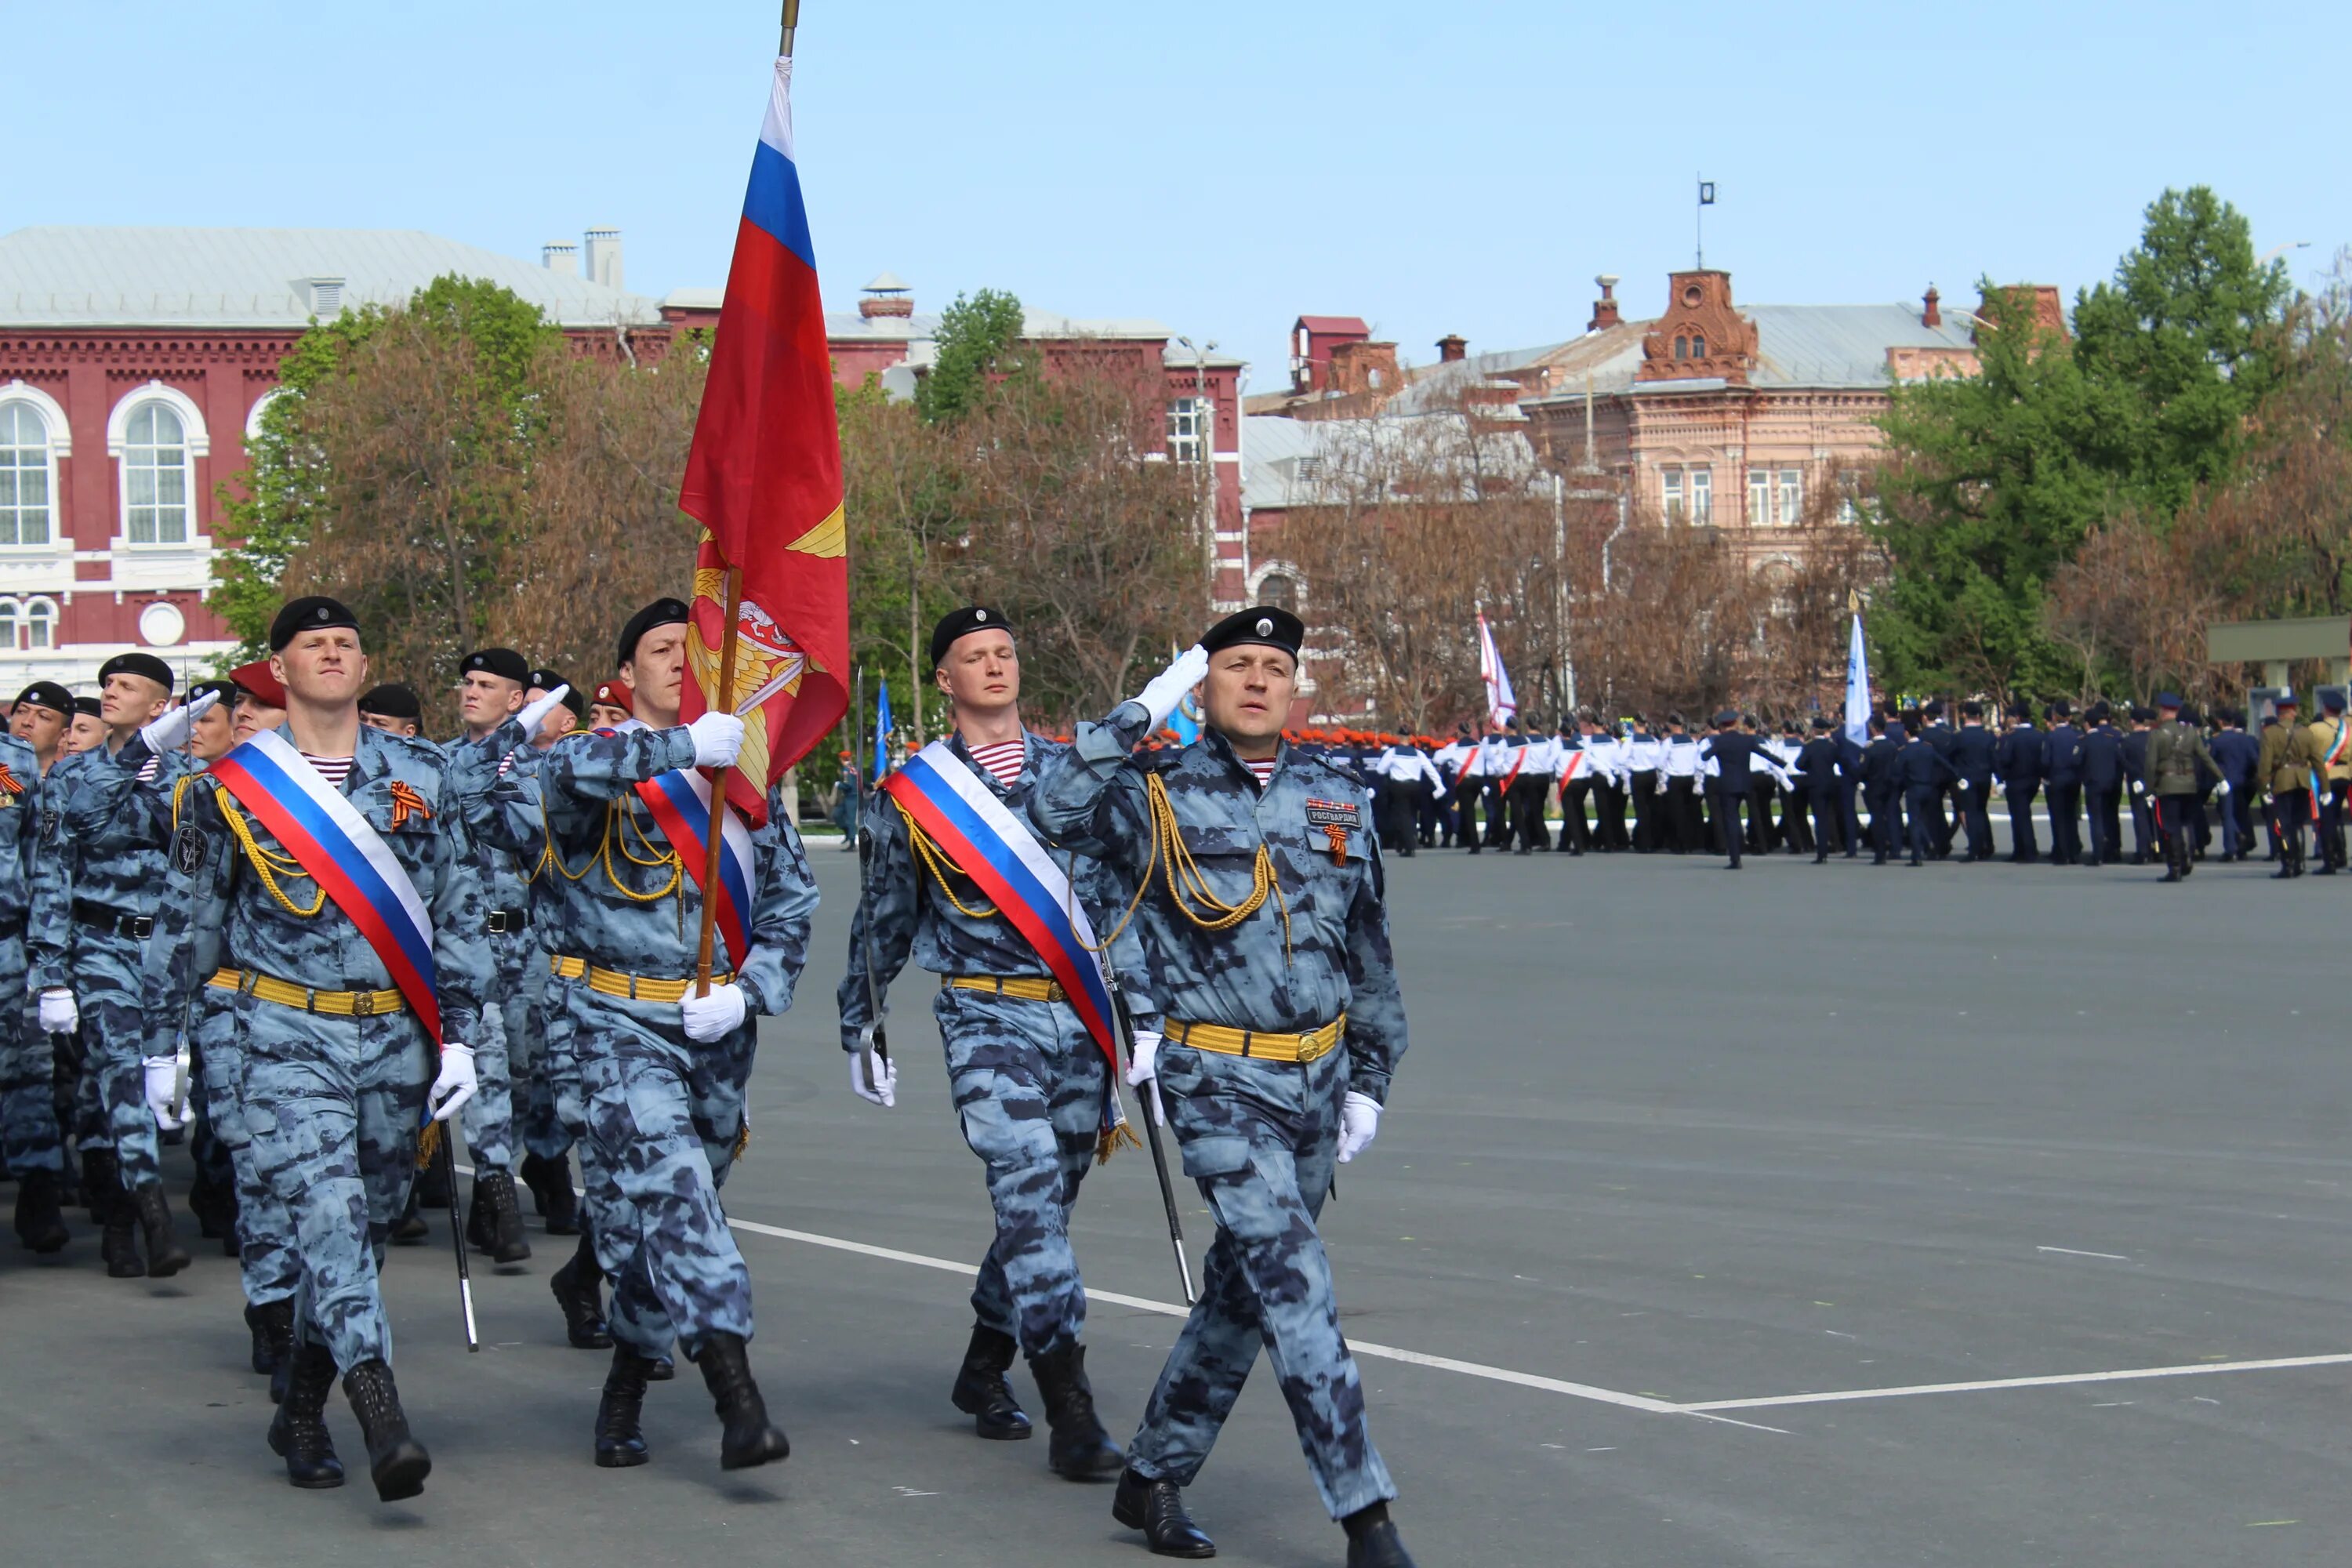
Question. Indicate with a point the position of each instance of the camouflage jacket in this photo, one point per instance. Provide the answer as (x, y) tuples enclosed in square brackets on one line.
[(108, 832), (24, 796), (615, 893), (218, 910), (1319, 944), (904, 911)]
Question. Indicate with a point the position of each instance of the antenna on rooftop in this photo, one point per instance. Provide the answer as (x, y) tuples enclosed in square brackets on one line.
[(1698, 220)]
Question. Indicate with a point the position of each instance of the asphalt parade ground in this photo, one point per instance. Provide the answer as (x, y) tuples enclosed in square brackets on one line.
[(1821, 1216)]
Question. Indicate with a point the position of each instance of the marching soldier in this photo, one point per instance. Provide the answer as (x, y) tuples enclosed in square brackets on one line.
[(1282, 1026), (663, 1068), (2017, 761), (2177, 760), (1972, 755), (2332, 738), (952, 857), (2284, 770), (30, 1143), (2062, 773), (326, 881)]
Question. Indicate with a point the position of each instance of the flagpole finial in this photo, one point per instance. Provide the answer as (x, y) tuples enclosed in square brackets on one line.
[(792, 21)]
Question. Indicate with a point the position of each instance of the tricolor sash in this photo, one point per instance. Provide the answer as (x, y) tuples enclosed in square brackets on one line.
[(996, 848), (349, 859), (681, 801)]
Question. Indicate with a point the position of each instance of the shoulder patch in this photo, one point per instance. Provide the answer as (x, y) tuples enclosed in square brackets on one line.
[(1330, 813)]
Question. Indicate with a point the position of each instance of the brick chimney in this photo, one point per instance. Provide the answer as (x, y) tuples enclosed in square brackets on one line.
[(1604, 309), (1933, 315), (1451, 347)]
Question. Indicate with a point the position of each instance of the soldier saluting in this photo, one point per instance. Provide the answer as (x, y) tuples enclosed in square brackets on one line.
[(1265, 938)]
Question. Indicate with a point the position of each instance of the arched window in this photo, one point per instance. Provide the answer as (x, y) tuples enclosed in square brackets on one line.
[(32, 438), (1682, 348), (1279, 589), (155, 476), (1699, 347), (8, 626), (40, 624), (156, 433)]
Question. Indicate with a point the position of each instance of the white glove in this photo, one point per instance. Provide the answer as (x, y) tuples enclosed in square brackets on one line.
[(2138, 788), (456, 1083), (534, 714), (2222, 789), (718, 739), (1360, 1122), (1962, 785), (60, 1014), (1167, 688), (885, 1093), (163, 1090), (170, 733), (1143, 1073), (714, 1016)]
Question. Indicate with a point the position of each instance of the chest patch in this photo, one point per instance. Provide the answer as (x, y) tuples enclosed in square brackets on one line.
[(1329, 814), (188, 846)]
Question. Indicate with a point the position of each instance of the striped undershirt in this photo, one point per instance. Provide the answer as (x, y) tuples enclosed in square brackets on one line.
[(1003, 759), (1261, 771), (334, 770), (147, 770)]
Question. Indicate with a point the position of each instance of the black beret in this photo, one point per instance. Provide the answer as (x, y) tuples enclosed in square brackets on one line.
[(576, 704), (2141, 713), (1262, 624), (47, 694), (544, 681), (226, 690), (502, 662), (313, 614), (660, 613), (145, 664), (85, 708), (1934, 709), (392, 700), (2061, 708), (962, 623)]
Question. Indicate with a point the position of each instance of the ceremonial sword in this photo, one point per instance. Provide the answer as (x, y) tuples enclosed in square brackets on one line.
[(1148, 1110)]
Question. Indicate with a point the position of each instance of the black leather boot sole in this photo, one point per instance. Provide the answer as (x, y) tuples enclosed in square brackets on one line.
[(398, 1462), (1157, 1509), (981, 1391)]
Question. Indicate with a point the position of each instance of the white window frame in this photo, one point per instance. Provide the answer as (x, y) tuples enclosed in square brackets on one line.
[(1266, 569), (1791, 495), (198, 439), (59, 433), (1200, 412), (253, 415), (1670, 493), (1760, 497), (48, 612), (1702, 496)]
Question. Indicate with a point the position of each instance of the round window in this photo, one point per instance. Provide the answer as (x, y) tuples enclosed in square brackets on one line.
[(1691, 296), (160, 625)]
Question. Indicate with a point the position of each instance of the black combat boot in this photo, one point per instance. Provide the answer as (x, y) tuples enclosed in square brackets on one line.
[(1157, 1509), (41, 1218), (165, 1255), (1372, 1540), (1078, 1449), (298, 1433), (750, 1437), (408, 1227), (619, 1442), (398, 1462), (272, 1326), (493, 1194), (550, 1181), (579, 1290), (118, 1220), (981, 1391)]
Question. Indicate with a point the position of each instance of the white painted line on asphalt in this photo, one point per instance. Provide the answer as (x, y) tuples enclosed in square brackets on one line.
[(1176, 1309), (2056, 1381), (2073, 1252)]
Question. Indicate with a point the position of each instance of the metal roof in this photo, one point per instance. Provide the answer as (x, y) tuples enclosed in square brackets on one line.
[(1843, 346), (1294, 462), (60, 275), (1035, 325)]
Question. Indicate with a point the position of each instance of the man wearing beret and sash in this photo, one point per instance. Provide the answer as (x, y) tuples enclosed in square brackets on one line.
[(1265, 934), (328, 885), (108, 863), (959, 881)]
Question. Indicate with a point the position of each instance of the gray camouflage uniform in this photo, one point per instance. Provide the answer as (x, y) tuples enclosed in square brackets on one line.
[(1260, 1137), (29, 1113), (107, 873), (332, 1105), (663, 1112), (1029, 1081), (489, 1119)]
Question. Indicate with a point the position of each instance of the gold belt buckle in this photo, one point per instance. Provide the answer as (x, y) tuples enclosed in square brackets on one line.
[(362, 1004)]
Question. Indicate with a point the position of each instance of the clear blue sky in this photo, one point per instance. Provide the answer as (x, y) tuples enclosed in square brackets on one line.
[(1218, 166)]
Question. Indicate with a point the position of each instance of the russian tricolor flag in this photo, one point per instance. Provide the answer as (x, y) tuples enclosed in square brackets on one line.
[(764, 481)]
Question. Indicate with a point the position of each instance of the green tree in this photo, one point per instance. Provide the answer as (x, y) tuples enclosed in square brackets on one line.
[(1991, 484), (975, 344)]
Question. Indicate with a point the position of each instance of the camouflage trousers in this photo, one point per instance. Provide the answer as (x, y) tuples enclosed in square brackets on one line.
[(546, 1111), (663, 1113), (489, 1119), (1028, 1086), (29, 1139), (1260, 1138), (332, 1106), (108, 989), (559, 1067), (265, 1231)]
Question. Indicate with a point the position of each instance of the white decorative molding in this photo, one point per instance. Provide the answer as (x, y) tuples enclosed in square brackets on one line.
[(118, 423), (53, 416)]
